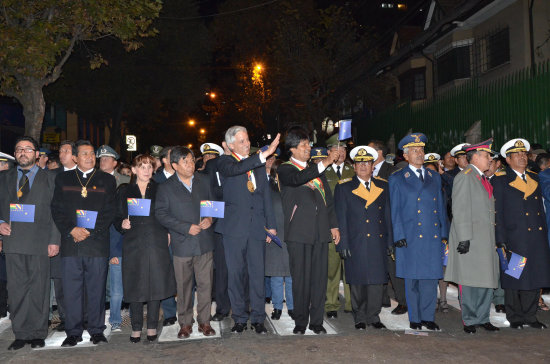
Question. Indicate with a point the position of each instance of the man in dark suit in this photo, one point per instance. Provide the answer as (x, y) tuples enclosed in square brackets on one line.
[(84, 251), (363, 210), (248, 212), (28, 245), (166, 171), (310, 224), (521, 228), (384, 170), (192, 238)]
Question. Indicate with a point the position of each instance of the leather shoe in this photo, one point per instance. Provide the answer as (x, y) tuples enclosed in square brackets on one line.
[(299, 330), (500, 308), (377, 325), (169, 321), (71, 341), (259, 327), (135, 340), (537, 325), (430, 325), (219, 316), (276, 314), (318, 329), (185, 332), (17, 344), (516, 325), (238, 328), (469, 329), (151, 338), (37, 343), (399, 310), (489, 327), (98, 338), (360, 326), (206, 330), (268, 300), (415, 326), (332, 314)]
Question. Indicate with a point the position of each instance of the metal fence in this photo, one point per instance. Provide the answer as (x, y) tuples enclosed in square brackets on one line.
[(517, 105)]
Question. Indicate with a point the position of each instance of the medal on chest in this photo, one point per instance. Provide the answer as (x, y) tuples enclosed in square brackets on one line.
[(84, 192), (250, 186)]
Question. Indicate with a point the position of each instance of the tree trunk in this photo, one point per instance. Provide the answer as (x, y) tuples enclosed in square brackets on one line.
[(34, 106)]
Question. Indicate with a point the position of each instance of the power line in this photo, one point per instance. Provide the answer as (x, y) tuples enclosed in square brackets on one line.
[(224, 13)]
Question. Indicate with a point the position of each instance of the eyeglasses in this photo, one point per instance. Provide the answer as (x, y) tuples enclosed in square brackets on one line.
[(24, 150)]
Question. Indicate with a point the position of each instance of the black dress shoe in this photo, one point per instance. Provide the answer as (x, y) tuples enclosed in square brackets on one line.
[(469, 329), (276, 314), (299, 330), (238, 328), (361, 326), (151, 338), (98, 338), (377, 325), (399, 310), (259, 327), (332, 314), (318, 329), (537, 325), (500, 308), (415, 326), (219, 316), (516, 325), (430, 325), (71, 341), (489, 327), (268, 300), (135, 340), (37, 343), (17, 344), (169, 321), (291, 314)]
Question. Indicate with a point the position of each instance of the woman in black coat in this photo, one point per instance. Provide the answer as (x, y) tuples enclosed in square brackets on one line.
[(147, 273)]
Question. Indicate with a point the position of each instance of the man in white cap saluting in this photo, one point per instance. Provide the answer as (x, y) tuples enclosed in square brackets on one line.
[(6, 161), (521, 229), (363, 211)]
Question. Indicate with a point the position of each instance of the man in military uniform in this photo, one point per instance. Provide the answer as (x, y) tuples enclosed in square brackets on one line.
[(155, 153), (337, 171), (473, 261), (108, 160), (521, 228), (363, 211), (419, 226), (318, 154), (6, 161)]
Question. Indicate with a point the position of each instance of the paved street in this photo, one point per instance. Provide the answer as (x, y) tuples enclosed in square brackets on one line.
[(346, 346)]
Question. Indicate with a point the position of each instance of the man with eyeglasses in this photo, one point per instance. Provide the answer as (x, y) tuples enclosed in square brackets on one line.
[(29, 239)]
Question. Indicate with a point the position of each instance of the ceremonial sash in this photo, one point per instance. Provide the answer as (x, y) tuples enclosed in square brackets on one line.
[(315, 183), (250, 185)]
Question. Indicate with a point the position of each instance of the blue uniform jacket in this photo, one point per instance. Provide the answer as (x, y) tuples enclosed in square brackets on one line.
[(418, 216)]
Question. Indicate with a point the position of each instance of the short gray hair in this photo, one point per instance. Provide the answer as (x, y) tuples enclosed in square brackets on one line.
[(231, 132), (406, 150)]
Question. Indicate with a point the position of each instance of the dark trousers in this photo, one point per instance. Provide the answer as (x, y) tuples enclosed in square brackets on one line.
[(475, 304), (223, 305), (308, 268), (29, 295), (169, 304), (521, 306), (3, 298), (58, 287), (421, 299), (245, 267), (136, 315), (398, 285), (366, 302), (89, 274)]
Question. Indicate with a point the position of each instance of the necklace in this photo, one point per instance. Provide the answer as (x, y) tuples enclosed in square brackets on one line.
[(84, 192), (19, 191)]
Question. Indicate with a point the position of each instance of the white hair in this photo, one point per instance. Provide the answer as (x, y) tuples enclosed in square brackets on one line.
[(231, 132), (406, 150)]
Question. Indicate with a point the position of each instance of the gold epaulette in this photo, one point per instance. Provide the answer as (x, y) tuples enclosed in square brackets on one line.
[(381, 179), (500, 173), (530, 171), (396, 170), (344, 180), (467, 171)]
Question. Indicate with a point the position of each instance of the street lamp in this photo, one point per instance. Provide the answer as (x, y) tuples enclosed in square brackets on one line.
[(191, 122), (202, 131), (258, 67)]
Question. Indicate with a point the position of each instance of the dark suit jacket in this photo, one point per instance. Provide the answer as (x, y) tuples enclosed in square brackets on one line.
[(177, 209), (246, 213), (159, 176), (211, 169), (29, 238), (386, 170), (308, 219), (67, 199)]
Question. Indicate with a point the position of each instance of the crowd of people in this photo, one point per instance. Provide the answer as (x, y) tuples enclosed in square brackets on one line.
[(85, 226)]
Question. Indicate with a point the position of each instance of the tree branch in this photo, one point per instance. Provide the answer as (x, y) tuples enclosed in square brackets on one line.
[(56, 72)]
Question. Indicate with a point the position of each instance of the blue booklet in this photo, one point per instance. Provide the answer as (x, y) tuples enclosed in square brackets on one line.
[(516, 265), (274, 238), (139, 206), (86, 219), (21, 213)]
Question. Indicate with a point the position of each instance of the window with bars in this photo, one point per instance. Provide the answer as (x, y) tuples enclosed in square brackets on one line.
[(454, 63), (412, 84), (492, 50)]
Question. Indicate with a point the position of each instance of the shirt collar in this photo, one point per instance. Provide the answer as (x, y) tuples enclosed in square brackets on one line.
[(334, 166), (519, 174), (69, 169), (301, 164), (478, 170), (240, 156), (167, 174), (376, 169), (414, 169), (363, 181), (33, 169), (85, 174)]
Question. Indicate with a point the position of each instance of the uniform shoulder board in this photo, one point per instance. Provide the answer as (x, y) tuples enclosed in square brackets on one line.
[(500, 173), (530, 171), (381, 179), (397, 170), (344, 180), (467, 171)]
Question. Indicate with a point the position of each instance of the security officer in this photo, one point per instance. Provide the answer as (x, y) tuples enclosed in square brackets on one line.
[(318, 154), (108, 160), (521, 228), (363, 211), (6, 161), (419, 226), (210, 151), (337, 171), (460, 158)]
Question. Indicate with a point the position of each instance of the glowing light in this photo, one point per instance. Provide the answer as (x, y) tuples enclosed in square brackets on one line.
[(192, 122), (202, 131)]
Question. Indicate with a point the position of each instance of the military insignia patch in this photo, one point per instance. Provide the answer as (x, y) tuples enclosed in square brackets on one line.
[(467, 171), (344, 180), (429, 173), (519, 144), (407, 175)]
